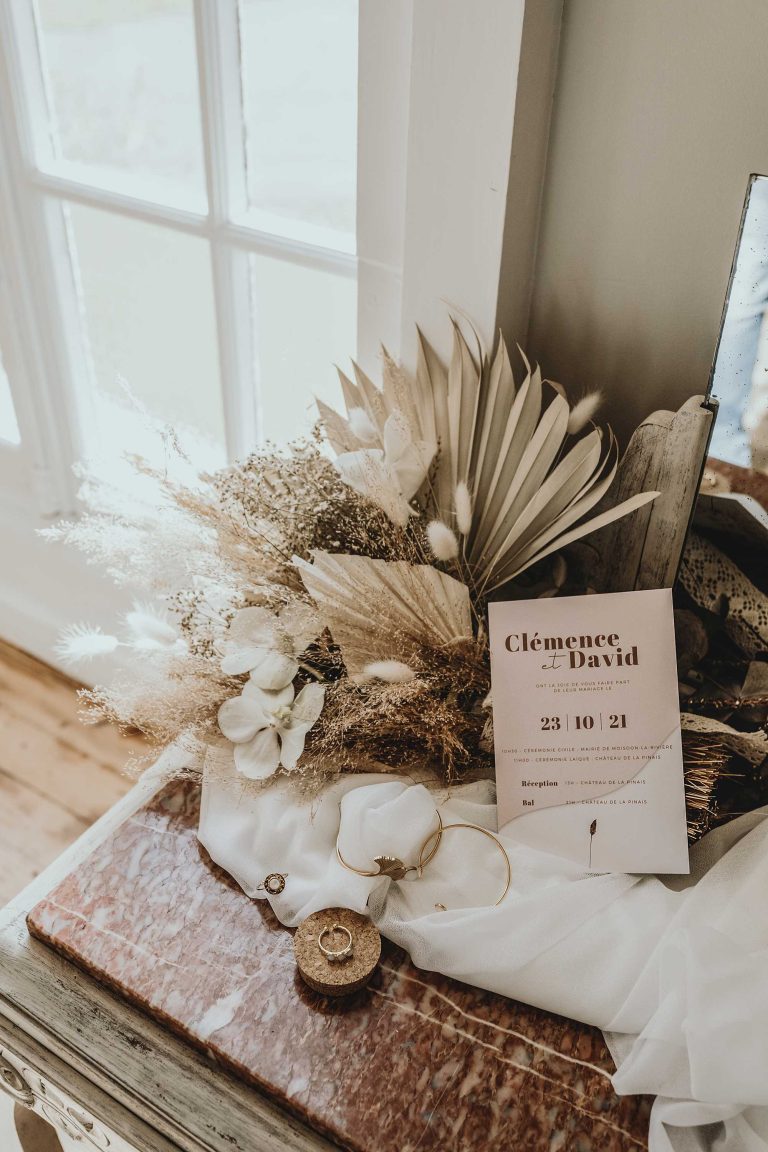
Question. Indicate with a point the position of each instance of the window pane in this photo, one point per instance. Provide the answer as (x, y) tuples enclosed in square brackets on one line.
[(123, 82), (304, 324), (9, 428), (147, 299), (299, 65)]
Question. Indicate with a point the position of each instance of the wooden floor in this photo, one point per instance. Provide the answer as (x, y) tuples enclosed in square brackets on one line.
[(57, 775)]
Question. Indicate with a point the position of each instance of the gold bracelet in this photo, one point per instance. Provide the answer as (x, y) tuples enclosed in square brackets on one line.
[(393, 866), (485, 832)]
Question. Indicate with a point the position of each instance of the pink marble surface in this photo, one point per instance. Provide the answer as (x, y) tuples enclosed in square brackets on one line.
[(416, 1061)]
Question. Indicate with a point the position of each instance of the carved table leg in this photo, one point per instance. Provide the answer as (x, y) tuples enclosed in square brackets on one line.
[(48, 1108), (12, 1097), (34, 1133), (8, 1137)]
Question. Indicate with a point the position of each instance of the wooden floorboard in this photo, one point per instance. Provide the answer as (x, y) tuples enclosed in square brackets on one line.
[(57, 775)]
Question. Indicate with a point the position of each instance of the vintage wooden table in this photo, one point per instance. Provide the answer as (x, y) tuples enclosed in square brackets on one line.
[(157, 1008), (147, 1005)]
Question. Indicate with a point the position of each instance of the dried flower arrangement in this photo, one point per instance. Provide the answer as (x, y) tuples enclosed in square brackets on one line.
[(328, 615)]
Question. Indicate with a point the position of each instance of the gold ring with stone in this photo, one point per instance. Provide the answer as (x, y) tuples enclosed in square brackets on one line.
[(273, 884), (336, 955)]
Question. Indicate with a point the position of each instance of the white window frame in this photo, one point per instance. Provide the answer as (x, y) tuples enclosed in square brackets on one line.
[(455, 99), (450, 173), (227, 225)]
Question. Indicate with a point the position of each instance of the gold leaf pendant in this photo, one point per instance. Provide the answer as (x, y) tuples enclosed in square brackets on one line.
[(391, 866)]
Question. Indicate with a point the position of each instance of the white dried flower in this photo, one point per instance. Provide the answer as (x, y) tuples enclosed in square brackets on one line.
[(391, 671), (583, 412), (390, 478), (442, 540), (462, 503), (362, 426), (268, 645), (79, 643), (269, 728)]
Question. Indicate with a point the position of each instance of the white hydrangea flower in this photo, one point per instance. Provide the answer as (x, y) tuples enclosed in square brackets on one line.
[(268, 645), (268, 729)]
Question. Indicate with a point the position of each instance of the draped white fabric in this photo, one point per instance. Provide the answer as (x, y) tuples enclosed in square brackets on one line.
[(674, 971)]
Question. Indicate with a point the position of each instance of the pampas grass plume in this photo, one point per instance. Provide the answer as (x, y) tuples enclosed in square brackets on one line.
[(462, 502), (80, 643), (391, 671), (582, 413), (442, 540), (150, 627)]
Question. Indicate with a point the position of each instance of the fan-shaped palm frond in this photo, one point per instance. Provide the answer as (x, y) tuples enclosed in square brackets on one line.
[(377, 608), (530, 483)]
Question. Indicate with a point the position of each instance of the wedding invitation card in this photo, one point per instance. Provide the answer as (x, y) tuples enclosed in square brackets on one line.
[(586, 728)]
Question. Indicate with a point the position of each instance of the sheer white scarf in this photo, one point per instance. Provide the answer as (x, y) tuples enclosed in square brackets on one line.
[(674, 971)]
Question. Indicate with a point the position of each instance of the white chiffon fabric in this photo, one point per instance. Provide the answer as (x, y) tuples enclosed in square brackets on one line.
[(675, 970)]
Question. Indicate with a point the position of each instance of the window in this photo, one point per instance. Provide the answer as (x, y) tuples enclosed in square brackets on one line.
[(203, 208), (182, 191)]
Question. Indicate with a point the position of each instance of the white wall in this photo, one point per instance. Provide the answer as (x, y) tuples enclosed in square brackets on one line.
[(660, 115), (454, 108)]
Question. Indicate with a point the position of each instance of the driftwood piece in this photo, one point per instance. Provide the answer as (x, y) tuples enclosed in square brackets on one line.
[(666, 453)]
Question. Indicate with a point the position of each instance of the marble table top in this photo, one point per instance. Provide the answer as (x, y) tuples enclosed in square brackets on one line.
[(415, 1061)]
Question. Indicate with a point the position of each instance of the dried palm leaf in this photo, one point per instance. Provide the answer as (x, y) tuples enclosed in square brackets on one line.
[(379, 609), (531, 483)]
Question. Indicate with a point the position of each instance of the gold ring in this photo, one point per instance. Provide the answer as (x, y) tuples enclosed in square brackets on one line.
[(393, 866), (485, 832), (274, 883), (336, 955)]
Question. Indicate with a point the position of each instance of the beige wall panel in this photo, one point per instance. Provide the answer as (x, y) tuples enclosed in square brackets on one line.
[(661, 113)]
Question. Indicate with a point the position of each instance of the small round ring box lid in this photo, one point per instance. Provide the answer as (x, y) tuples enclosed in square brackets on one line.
[(324, 976)]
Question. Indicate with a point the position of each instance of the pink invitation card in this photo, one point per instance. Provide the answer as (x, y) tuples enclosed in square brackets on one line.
[(586, 727)]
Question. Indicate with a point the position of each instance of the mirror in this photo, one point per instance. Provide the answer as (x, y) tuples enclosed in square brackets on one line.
[(739, 377)]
